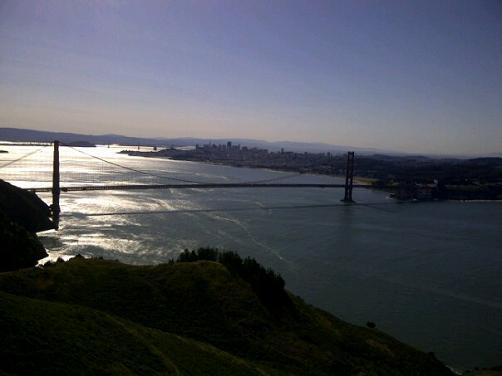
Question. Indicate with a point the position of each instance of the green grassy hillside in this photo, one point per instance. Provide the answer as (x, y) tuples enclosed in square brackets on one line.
[(202, 301), (62, 339)]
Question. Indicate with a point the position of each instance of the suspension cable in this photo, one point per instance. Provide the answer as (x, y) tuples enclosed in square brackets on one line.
[(173, 178), (136, 170), (22, 157)]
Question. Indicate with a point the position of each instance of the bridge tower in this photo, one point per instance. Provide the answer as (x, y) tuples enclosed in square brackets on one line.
[(349, 177), (56, 190)]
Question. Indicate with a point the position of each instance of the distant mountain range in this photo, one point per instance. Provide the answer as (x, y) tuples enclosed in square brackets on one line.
[(31, 135)]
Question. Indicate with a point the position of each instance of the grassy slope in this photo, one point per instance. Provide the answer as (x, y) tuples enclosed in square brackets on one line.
[(58, 338), (203, 301)]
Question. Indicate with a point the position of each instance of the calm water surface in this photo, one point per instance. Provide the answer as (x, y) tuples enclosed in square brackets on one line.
[(428, 273)]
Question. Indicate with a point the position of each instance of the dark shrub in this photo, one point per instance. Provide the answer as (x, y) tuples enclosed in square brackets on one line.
[(268, 285), (18, 248), (25, 208)]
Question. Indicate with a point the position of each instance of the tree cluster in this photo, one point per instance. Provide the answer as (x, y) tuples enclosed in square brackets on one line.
[(267, 284)]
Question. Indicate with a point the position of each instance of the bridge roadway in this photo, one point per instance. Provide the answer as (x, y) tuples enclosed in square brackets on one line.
[(122, 187)]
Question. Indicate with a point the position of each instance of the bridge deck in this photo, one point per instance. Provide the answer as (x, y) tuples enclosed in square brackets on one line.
[(184, 186)]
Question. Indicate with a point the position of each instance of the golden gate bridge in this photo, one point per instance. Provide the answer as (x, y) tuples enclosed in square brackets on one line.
[(56, 188)]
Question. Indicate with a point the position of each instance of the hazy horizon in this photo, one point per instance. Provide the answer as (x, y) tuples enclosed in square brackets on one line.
[(423, 77)]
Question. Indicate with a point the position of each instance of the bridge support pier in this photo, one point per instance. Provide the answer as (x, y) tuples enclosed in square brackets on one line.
[(349, 178), (56, 190)]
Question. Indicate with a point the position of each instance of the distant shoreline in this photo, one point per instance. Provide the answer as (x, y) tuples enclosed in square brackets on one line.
[(396, 191), (359, 179)]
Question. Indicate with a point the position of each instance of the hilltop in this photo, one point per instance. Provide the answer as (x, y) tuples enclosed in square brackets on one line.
[(184, 318)]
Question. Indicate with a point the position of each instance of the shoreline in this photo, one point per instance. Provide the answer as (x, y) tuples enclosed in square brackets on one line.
[(362, 180)]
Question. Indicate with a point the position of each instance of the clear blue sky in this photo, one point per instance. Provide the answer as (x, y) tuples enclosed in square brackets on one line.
[(421, 76)]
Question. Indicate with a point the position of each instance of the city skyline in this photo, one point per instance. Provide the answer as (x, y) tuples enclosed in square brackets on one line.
[(418, 77)]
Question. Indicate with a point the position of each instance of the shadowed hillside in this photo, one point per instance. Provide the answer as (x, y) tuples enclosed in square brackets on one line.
[(22, 214), (200, 300)]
